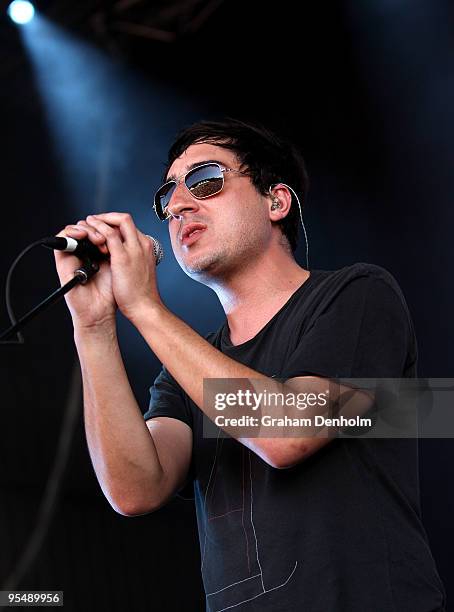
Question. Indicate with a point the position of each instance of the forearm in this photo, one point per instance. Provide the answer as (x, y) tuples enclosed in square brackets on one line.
[(121, 448), (187, 356)]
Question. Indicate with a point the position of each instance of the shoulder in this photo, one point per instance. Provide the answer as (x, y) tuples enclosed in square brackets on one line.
[(362, 270), (358, 278), (357, 288), (377, 290)]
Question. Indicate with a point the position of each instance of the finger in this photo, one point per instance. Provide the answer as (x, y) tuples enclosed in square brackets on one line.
[(99, 227), (70, 231), (124, 222), (67, 261), (81, 232), (112, 235), (149, 246), (93, 235), (73, 231), (144, 240)]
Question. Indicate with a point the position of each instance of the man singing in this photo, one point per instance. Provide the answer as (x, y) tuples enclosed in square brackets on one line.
[(293, 523)]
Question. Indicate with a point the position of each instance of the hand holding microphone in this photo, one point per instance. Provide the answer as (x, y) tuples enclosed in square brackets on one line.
[(86, 249), (127, 260)]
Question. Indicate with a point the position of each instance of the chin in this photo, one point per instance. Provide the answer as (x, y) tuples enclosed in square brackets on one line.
[(202, 266)]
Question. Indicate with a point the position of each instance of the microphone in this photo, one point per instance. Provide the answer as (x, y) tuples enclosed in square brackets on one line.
[(80, 248), (86, 249)]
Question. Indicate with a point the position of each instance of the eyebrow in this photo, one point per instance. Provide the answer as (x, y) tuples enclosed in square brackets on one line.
[(172, 177)]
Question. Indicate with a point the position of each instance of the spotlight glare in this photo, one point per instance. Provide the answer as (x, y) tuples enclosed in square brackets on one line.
[(21, 12)]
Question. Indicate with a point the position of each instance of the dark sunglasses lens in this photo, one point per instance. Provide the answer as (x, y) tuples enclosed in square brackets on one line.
[(162, 198), (205, 181)]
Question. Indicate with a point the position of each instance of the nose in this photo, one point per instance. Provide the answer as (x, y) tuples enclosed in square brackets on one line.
[(182, 201)]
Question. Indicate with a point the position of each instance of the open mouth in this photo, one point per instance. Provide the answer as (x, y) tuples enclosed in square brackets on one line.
[(192, 232)]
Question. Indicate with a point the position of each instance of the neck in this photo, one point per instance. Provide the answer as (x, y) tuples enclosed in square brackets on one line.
[(256, 292)]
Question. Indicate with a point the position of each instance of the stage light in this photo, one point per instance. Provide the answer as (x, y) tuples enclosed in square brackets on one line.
[(21, 12)]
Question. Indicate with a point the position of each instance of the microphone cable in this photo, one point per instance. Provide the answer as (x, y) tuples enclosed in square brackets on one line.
[(81, 276), (9, 307)]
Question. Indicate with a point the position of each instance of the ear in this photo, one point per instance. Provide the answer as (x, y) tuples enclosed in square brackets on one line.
[(280, 201)]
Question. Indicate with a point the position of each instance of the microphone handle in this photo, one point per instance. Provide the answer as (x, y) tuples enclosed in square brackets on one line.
[(85, 248), (80, 248)]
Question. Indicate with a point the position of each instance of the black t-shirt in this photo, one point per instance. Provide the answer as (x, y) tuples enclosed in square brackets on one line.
[(341, 531)]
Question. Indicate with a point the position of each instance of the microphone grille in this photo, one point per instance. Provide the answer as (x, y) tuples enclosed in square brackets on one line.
[(158, 251)]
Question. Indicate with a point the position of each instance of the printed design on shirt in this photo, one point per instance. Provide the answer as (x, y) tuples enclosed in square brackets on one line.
[(229, 521)]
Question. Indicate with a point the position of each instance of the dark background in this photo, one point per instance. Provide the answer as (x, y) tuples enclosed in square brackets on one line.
[(92, 94)]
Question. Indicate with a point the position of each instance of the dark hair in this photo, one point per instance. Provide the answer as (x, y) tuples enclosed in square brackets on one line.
[(267, 157)]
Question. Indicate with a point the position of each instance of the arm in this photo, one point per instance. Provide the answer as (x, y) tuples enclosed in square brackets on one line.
[(138, 472)]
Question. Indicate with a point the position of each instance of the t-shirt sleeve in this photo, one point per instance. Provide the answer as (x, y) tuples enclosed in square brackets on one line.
[(168, 399), (363, 330)]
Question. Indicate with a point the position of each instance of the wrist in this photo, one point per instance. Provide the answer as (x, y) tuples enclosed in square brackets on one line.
[(104, 329), (145, 313)]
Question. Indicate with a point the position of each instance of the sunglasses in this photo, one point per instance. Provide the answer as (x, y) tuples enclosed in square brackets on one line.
[(202, 182)]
